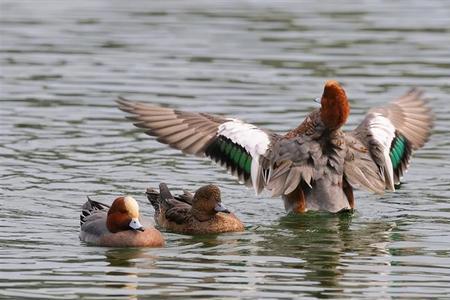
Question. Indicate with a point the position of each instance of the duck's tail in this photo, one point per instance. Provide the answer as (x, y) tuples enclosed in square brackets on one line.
[(90, 207), (160, 200), (164, 192), (153, 197), (165, 196)]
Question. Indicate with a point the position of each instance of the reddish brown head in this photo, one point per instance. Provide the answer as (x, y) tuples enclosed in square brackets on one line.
[(207, 202), (335, 107), (124, 215)]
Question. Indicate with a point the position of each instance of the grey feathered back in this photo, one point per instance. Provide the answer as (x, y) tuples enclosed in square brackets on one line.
[(93, 220), (89, 208)]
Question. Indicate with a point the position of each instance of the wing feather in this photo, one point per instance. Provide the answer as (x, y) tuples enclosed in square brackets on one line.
[(389, 134), (292, 180), (233, 143)]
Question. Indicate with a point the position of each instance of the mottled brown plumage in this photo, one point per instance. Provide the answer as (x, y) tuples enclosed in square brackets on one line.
[(200, 213)]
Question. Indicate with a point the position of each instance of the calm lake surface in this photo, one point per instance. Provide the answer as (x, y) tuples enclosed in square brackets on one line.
[(62, 138)]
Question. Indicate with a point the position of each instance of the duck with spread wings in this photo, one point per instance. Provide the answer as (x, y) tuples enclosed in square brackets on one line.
[(312, 167)]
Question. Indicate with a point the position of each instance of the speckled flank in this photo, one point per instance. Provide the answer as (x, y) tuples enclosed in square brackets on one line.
[(220, 223)]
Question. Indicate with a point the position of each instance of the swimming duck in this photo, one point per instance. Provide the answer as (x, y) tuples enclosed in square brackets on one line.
[(116, 226), (312, 167), (200, 213)]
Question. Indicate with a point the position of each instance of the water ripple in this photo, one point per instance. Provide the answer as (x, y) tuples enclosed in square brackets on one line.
[(62, 138)]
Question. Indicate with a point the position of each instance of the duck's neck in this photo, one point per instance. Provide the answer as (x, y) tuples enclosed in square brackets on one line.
[(116, 222), (334, 112)]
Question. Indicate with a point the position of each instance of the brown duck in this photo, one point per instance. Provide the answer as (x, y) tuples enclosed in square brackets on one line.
[(314, 166), (200, 213)]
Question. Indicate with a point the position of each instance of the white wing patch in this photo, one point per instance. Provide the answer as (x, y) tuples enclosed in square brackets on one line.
[(254, 140), (383, 131)]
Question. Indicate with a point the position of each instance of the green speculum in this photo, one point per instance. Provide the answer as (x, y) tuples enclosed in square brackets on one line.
[(398, 150), (232, 154)]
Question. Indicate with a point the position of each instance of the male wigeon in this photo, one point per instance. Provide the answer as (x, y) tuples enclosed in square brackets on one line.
[(116, 226), (200, 213), (314, 166)]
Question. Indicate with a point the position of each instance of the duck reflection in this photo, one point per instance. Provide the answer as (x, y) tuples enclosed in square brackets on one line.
[(126, 257), (327, 244), (123, 263)]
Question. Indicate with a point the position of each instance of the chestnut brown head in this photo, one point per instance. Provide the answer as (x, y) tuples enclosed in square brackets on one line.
[(335, 108), (124, 215)]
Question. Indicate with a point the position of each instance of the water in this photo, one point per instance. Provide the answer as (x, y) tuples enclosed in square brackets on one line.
[(62, 138)]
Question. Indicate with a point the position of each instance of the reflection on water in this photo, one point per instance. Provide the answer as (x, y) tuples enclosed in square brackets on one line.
[(327, 243), (63, 63), (124, 261)]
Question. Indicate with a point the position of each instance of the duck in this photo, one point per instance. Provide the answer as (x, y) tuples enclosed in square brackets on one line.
[(199, 213), (315, 166), (117, 225)]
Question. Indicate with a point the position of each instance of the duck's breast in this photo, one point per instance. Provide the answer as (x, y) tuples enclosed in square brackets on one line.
[(229, 223), (94, 231), (150, 237), (221, 222)]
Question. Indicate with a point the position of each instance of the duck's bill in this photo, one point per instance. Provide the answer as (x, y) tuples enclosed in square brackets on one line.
[(220, 208), (136, 225)]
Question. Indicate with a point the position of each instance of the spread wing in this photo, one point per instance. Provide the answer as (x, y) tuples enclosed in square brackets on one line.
[(256, 156), (380, 147), (230, 142)]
